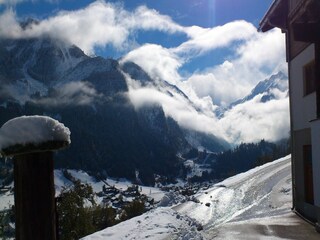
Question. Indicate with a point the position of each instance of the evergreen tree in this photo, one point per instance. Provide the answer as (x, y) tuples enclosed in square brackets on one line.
[(79, 215)]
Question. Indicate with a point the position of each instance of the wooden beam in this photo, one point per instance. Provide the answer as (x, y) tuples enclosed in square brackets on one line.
[(317, 68), (306, 32)]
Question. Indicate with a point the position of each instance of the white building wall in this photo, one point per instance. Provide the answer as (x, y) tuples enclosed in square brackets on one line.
[(304, 112), (304, 109)]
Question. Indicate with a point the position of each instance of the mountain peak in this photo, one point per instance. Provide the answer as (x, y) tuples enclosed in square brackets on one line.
[(277, 81), (135, 72), (44, 60)]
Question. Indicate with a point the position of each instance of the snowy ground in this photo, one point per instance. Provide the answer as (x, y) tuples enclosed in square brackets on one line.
[(251, 205), (7, 198), (122, 184), (197, 169), (157, 224)]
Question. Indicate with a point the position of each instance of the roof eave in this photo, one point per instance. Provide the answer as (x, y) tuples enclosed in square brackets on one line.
[(274, 17)]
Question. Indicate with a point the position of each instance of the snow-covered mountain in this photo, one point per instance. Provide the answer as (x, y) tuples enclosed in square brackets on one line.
[(267, 89), (100, 101), (110, 136), (33, 65)]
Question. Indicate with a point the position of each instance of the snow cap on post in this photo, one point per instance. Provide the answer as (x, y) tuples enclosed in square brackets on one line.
[(29, 134)]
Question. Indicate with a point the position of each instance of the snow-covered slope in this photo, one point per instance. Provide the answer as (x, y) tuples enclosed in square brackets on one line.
[(262, 191), (160, 223), (259, 194)]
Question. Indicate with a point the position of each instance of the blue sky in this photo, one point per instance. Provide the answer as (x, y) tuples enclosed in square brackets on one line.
[(204, 13), (210, 49)]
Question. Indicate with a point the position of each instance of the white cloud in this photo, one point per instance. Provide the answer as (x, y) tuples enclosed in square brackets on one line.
[(158, 62), (218, 86), (71, 94), (203, 40), (175, 107), (68, 94), (254, 60), (97, 25), (150, 19), (264, 50), (247, 122), (254, 120), (256, 56), (9, 27)]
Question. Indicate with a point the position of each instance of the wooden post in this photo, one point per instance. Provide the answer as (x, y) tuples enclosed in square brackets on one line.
[(31, 142), (34, 196)]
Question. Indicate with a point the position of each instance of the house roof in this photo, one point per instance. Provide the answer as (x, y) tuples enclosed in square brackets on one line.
[(303, 12), (276, 16)]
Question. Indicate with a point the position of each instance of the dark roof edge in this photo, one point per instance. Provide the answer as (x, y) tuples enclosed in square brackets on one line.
[(265, 24)]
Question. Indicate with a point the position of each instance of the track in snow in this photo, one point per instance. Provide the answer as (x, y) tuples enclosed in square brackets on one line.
[(260, 192)]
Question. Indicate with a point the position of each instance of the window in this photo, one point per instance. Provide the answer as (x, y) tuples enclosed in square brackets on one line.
[(309, 77), (308, 174)]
